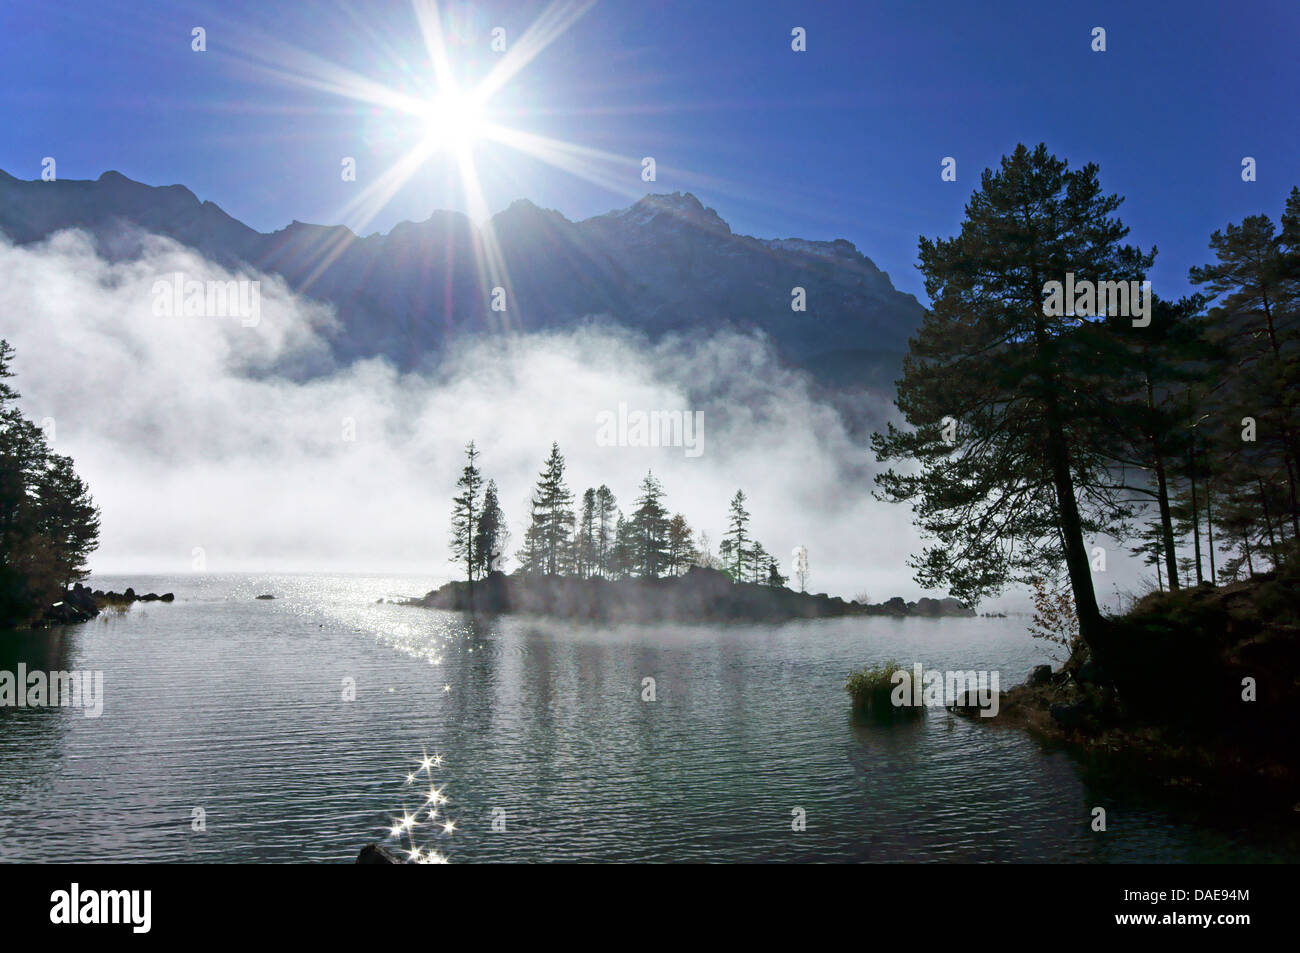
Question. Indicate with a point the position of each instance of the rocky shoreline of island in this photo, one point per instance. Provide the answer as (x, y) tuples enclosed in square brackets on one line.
[(81, 604), (698, 595)]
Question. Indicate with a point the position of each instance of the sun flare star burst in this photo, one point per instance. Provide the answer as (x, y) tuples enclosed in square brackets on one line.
[(455, 121), (448, 120)]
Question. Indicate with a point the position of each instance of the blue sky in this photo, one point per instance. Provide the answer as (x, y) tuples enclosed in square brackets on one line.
[(844, 140)]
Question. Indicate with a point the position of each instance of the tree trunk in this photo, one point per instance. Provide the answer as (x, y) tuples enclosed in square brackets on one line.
[(1209, 528), (1166, 524), (1292, 447), (469, 548), (1196, 516), (1092, 627), (1291, 481), (1268, 522), (1162, 495)]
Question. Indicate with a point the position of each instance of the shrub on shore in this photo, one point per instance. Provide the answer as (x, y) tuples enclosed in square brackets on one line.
[(871, 688)]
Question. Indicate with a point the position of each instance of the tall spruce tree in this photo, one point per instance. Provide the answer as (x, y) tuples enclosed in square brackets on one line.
[(649, 528), (465, 510), (759, 563), (548, 542), (606, 513), (585, 542), (622, 558), (491, 535), (735, 543)]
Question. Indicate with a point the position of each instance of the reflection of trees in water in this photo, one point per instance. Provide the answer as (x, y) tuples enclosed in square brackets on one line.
[(45, 649), (31, 738)]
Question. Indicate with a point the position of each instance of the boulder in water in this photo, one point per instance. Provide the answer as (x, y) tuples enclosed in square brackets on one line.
[(375, 854)]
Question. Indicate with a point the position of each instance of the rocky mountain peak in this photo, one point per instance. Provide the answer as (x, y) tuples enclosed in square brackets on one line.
[(670, 209)]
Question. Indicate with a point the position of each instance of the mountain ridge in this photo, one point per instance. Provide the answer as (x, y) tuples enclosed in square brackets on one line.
[(665, 264)]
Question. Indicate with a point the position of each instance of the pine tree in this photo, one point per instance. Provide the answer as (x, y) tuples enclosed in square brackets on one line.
[(735, 543), (757, 562), (67, 517), (726, 557), (548, 541), (1257, 280), (1241, 533), (532, 557), (649, 528), (491, 535), (774, 577), (1152, 551), (995, 388), (49, 525), (622, 558), (465, 511), (606, 513), (681, 552), (585, 542), (1149, 371)]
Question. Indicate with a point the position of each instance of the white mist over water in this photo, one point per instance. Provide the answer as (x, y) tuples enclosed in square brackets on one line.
[(190, 441)]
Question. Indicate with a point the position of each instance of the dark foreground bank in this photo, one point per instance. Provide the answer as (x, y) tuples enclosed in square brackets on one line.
[(1202, 692)]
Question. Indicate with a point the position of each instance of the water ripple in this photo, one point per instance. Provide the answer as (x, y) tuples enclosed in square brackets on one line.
[(240, 708)]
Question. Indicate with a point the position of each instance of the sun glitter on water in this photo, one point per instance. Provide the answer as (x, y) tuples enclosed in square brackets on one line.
[(409, 824)]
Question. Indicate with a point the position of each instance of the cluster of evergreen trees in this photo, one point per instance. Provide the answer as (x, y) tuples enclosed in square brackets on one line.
[(49, 525), (597, 540), (1032, 432)]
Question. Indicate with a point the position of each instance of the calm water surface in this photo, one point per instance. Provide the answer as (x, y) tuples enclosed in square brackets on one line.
[(236, 706)]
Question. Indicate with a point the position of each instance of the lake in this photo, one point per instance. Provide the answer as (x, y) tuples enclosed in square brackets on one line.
[(236, 708)]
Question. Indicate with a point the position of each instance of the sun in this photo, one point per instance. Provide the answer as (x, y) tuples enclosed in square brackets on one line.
[(455, 120), (447, 121)]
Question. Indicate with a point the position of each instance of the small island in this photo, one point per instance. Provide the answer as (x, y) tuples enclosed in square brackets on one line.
[(699, 595), (597, 565)]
